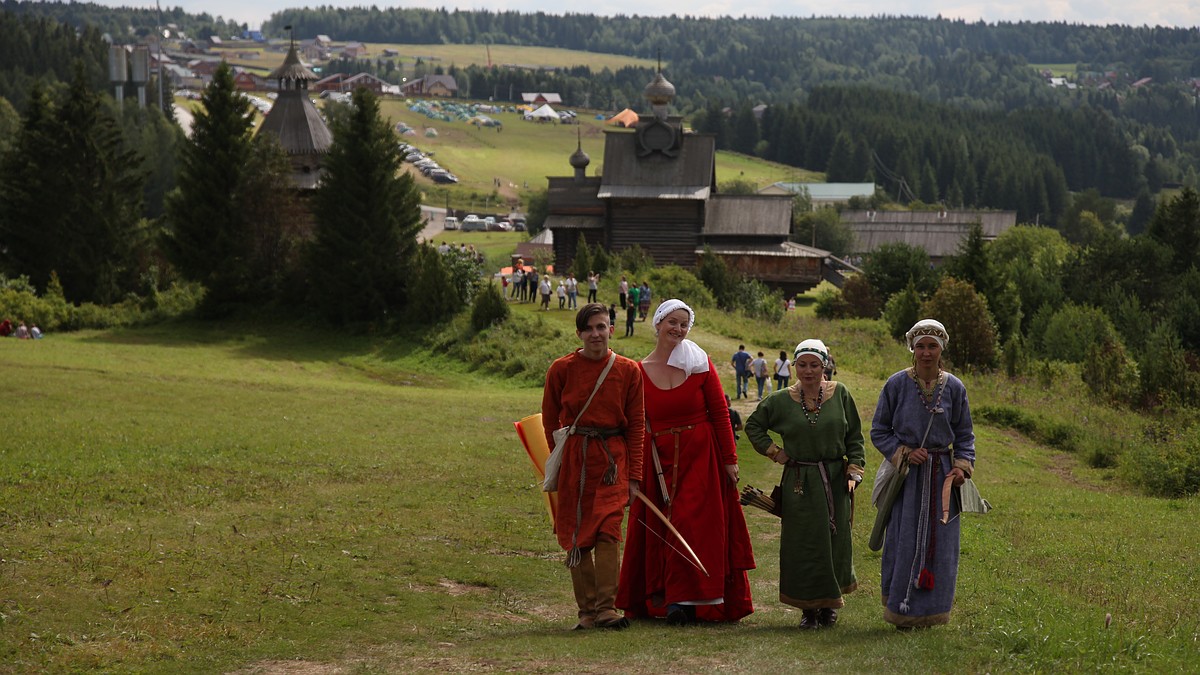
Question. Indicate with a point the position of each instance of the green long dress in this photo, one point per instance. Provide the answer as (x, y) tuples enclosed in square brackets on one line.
[(816, 565)]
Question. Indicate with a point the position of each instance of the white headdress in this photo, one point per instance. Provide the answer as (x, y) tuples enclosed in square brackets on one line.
[(927, 328), (815, 347), (687, 355)]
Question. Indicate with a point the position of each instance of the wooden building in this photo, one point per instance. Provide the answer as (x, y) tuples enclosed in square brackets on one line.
[(940, 233), (296, 122), (658, 191)]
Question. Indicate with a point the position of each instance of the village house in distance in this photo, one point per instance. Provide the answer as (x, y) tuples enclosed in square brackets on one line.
[(659, 191)]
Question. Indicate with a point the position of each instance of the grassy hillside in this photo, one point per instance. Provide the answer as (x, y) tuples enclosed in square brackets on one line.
[(254, 497), (459, 55), (524, 153)]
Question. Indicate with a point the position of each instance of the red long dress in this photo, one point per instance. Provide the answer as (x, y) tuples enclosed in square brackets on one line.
[(704, 509)]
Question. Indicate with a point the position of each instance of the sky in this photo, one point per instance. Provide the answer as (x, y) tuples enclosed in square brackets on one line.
[(1175, 13)]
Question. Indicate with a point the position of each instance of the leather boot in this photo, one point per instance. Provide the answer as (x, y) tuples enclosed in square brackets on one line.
[(583, 580), (810, 619), (608, 571), (828, 617)]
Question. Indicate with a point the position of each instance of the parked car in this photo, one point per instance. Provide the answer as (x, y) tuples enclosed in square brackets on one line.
[(473, 223), (444, 177), (518, 223), (501, 226), (451, 223)]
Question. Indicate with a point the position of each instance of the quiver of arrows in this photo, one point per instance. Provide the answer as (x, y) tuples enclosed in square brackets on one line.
[(772, 504)]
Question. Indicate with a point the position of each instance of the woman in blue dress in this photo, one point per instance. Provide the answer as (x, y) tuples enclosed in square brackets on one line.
[(923, 419)]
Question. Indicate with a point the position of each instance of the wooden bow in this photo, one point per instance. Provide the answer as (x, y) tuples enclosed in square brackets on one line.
[(654, 509)]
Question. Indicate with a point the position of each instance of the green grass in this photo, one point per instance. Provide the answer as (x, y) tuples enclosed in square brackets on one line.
[(525, 153), (461, 56), (1056, 69), (214, 497)]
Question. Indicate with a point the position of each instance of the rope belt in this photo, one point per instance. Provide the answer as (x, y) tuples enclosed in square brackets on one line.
[(825, 483), (574, 556), (669, 499)]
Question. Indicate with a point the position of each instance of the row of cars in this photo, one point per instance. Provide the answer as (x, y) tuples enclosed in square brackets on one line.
[(426, 164), (473, 223)]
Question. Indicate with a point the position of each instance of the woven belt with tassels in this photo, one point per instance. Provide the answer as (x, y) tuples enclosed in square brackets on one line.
[(574, 556)]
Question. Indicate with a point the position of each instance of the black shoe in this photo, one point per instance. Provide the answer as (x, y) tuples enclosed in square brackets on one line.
[(680, 615), (828, 617), (810, 619)]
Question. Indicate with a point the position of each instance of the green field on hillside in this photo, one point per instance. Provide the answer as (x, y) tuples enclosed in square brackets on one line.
[(258, 497), (457, 55), (523, 154), (1056, 69)]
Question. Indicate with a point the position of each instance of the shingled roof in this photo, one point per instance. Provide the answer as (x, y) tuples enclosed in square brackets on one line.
[(690, 175)]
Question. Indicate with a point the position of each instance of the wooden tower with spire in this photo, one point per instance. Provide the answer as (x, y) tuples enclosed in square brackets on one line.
[(296, 122)]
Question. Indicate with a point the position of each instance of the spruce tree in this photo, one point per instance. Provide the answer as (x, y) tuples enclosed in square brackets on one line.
[(28, 218), (71, 197), (367, 220), (102, 227), (207, 237)]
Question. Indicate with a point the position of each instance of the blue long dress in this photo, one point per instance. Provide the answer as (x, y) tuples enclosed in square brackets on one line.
[(920, 554)]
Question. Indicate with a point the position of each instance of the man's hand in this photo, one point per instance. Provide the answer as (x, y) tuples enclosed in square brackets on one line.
[(918, 456)]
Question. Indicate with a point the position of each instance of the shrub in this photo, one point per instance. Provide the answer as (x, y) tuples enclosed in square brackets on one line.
[(1072, 330), (758, 301), (720, 280), (433, 291), (1166, 468), (1109, 373), (830, 304), (862, 302), (673, 281), (965, 315), (902, 311), (1165, 378), (1014, 356), (893, 266), (635, 259), (489, 307)]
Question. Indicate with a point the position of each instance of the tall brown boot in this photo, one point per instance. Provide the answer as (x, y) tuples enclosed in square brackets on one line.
[(608, 571), (583, 580)]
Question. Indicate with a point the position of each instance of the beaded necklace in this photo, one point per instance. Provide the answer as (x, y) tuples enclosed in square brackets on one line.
[(812, 417), (931, 398)]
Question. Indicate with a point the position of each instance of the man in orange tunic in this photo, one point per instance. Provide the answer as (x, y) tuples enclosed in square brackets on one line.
[(602, 465)]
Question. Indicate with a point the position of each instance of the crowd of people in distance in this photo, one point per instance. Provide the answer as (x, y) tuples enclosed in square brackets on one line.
[(20, 331), (658, 437)]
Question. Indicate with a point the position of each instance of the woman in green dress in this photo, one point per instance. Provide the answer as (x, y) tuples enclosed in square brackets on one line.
[(821, 448)]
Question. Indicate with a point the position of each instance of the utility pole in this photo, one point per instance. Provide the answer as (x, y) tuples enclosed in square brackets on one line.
[(161, 36)]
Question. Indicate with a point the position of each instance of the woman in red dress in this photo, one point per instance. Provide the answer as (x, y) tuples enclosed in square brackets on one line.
[(688, 429)]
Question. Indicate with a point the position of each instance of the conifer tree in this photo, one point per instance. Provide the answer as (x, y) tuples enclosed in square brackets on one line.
[(71, 201), (367, 220), (102, 227), (27, 176), (207, 239)]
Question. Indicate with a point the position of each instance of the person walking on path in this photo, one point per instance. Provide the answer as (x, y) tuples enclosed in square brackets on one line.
[(593, 285), (602, 461), (741, 370), (688, 434), (758, 368), (572, 292), (782, 371), (923, 420), (821, 448)]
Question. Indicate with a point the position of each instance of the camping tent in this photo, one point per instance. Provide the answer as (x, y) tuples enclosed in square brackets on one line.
[(625, 118)]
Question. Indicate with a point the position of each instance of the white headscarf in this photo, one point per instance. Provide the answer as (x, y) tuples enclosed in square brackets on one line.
[(687, 355), (927, 328), (815, 347)]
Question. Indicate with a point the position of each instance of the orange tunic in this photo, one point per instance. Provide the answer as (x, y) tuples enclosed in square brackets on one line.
[(618, 405)]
